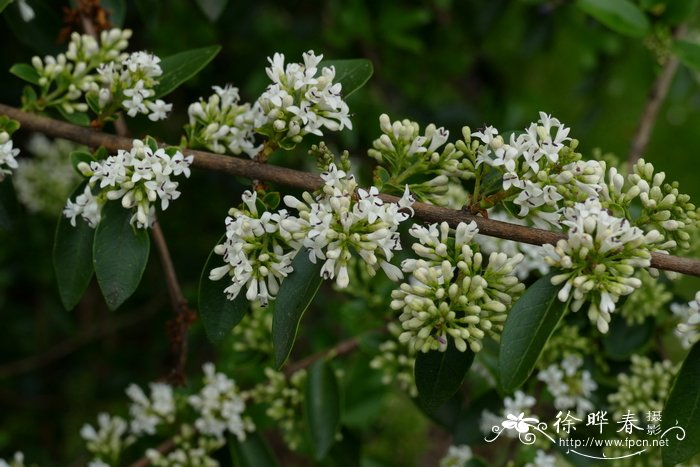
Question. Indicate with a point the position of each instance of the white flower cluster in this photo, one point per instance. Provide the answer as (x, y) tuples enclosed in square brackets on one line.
[(131, 84), (222, 124), (299, 102), (44, 181), (520, 403), (688, 330), (542, 459), (257, 252), (457, 456), (645, 387), (16, 461), (108, 440), (7, 155), (542, 167), (101, 72), (570, 385), (220, 406), (396, 361), (337, 223), (532, 254), (138, 177), (147, 414), (191, 451), (598, 259), (453, 291)]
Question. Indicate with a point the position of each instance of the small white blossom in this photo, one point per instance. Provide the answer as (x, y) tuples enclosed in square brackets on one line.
[(7, 155), (542, 459), (147, 413), (16, 461), (570, 385), (688, 330), (110, 437), (457, 456)]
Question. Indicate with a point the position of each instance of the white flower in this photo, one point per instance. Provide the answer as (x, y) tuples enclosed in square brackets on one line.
[(542, 459), (147, 413), (16, 461), (159, 110), (688, 329), (7, 155), (457, 456), (570, 385), (109, 439)]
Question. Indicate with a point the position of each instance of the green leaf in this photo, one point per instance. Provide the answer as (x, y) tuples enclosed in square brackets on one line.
[(212, 9), (219, 315), (72, 257), (322, 404), (295, 294), (352, 74), (253, 451), (683, 409), (26, 72), (76, 118), (529, 325), (688, 53), (4, 4), (120, 254), (76, 157), (621, 16), (182, 66), (623, 340), (93, 102), (439, 375)]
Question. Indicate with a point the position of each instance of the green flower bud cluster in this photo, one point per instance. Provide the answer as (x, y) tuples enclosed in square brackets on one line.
[(664, 208), (598, 259), (407, 157), (565, 341), (644, 388), (396, 361), (45, 181), (190, 450), (254, 334), (284, 398), (454, 292), (649, 299), (688, 330)]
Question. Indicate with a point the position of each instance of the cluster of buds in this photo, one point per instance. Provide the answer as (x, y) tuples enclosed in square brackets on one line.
[(222, 124), (254, 334), (452, 292), (191, 450), (147, 413), (648, 300), (396, 361), (138, 177), (644, 388), (598, 259), (430, 167), (107, 441), (569, 384), (688, 330)]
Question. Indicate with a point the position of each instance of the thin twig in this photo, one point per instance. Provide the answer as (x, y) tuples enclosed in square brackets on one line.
[(342, 348), (307, 181), (656, 97)]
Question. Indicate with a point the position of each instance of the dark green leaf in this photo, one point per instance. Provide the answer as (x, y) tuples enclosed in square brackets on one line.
[(683, 409), (251, 452), (72, 257), (76, 157), (212, 9), (93, 101), (676, 12), (688, 53), (76, 118), (120, 254), (439, 375), (3, 4), (621, 16), (352, 74), (26, 72), (182, 66), (219, 314), (295, 294), (529, 325), (467, 430), (623, 340), (447, 414), (322, 404)]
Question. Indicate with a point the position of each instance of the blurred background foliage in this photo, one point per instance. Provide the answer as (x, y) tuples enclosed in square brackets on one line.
[(450, 62)]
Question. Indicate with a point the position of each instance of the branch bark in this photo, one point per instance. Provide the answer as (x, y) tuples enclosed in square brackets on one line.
[(307, 181), (657, 95)]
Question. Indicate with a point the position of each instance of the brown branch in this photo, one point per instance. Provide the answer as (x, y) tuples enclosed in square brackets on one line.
[(657, 94), (342, 348), (307, 181)]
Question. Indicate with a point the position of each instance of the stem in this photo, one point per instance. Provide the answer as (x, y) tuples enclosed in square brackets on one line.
[(656, 96), (310, 182)]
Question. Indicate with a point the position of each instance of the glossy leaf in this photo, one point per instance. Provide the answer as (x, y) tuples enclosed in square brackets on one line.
[(212, 9), (26, 72), (253, 451), (322, 403), (120, 254), (219, 315), (76, 157), (683, 409), (4, 4), (182, 66), (688, 53), (621, 16), (623, 340), (352, 73), (296, 293), (439, 375), (72, 257), (76, 118), (529, 325)]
